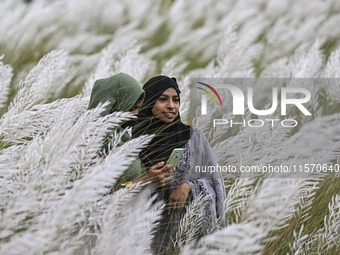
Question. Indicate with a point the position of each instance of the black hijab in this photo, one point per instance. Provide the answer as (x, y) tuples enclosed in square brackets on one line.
[(168, 136)]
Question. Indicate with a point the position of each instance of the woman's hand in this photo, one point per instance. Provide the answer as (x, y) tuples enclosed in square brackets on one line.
[(179, 197), (159, 174)]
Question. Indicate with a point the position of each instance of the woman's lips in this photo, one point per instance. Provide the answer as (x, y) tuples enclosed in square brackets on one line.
[(169, 114)]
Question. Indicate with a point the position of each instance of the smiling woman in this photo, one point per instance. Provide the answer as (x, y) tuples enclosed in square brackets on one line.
[(160, 116), (167, 106)]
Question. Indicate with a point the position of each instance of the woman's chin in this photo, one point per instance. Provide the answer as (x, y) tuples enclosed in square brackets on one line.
[(166, 119)]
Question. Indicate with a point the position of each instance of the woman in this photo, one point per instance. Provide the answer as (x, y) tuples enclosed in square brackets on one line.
[(124, 93), (160, 116)]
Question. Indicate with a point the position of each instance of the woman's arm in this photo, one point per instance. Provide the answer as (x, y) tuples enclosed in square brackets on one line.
[(158, 174), (179, 197)]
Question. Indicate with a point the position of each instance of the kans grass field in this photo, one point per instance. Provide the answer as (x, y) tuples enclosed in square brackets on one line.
[(52, 184)]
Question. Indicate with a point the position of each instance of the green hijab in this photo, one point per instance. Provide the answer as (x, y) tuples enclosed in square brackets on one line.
[(121, 91)]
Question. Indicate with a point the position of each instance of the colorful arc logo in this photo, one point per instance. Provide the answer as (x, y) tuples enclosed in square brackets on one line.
[(209, 93)]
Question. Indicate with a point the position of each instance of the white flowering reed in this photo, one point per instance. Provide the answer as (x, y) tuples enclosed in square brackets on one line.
[(54, 189), (6, 74)]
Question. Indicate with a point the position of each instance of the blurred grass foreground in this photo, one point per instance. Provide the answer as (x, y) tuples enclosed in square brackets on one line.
[(52, 183)]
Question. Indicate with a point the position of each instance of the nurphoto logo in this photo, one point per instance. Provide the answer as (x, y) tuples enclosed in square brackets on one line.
[(204, 98), (242, 103)]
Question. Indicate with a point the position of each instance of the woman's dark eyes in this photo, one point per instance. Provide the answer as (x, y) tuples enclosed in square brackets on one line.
[(163, 99)]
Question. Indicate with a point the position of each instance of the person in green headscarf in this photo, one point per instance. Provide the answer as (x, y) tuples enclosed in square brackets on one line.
[(124, 93)]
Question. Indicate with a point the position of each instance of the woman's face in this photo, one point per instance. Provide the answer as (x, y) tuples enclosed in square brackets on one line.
[(167, 106), (134, 110)]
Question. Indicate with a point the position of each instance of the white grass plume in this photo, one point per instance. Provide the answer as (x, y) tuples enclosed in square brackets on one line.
[(306, 65), (48, 159), (103, 70), (270, 207), (36, 88), (327, 236), (6, 74), (243, 238), (297, 246), (126, 227), (60, 196), (40, 118), (61, 215), (333, 63), (130, 60), (190, 226), (238, 198)]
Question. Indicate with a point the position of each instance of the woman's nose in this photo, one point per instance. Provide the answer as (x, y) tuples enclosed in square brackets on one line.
[(171, 104)]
